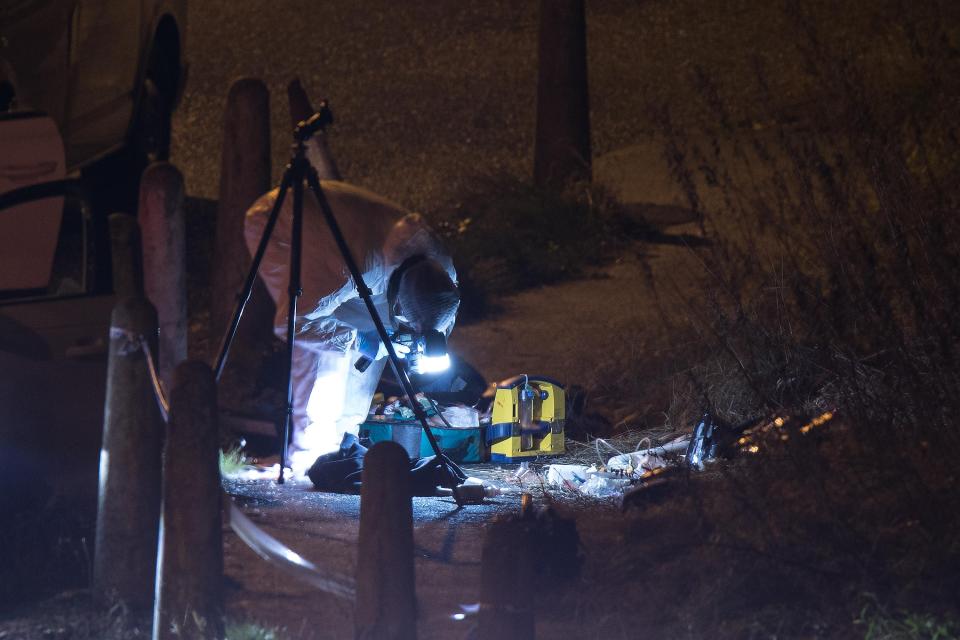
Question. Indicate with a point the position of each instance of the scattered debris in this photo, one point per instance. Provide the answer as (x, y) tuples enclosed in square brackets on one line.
[(612, 477), (640, 475)]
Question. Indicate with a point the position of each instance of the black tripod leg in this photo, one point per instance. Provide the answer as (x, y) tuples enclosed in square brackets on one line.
[(452, 474), (294, 291), (244, 296)]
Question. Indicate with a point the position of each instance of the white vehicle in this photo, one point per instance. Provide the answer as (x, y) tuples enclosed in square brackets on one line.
[(108, 72), (87, 88)]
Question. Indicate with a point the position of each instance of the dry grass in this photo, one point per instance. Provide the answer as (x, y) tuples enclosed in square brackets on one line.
[(599, 450)]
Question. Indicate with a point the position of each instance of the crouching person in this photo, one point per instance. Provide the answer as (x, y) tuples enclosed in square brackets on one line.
[(413, 283)]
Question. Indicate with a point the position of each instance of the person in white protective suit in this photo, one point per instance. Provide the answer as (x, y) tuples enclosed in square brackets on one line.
[(412, 280)]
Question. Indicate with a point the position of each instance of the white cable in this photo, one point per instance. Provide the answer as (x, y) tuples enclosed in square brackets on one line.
[(158, 392), (609, 446), (137, 342)]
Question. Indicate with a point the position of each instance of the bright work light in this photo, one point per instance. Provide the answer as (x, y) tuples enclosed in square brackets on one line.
[(429, 354), (430, 364)]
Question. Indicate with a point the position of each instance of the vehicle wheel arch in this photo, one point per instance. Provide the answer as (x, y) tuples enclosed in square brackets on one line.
[(8, 86), (159, 80), (163, 61)]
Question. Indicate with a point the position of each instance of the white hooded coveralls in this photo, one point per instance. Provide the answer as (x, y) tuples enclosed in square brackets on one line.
[(330, 396)]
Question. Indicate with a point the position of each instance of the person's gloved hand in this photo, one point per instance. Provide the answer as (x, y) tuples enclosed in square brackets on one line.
[(401, 349), (370, 345)]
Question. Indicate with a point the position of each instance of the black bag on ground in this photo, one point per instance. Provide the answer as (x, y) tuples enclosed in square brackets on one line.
[(341, 471)]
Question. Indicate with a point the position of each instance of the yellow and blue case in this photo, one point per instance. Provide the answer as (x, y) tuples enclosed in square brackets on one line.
[(507, 440)]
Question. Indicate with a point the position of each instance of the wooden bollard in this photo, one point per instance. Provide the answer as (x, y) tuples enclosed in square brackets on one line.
[(562, 143), (161, 220), (506, 582), (189, 597), (386, 602), (244, 177), (128, 510), (126, 254)]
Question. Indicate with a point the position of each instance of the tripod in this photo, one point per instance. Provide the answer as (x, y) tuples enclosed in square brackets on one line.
[(298, 170)]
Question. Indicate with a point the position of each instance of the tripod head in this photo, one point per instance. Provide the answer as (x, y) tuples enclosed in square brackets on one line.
[(305, 129)]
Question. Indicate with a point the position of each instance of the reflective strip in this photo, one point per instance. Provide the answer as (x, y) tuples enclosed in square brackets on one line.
[(131, 340)]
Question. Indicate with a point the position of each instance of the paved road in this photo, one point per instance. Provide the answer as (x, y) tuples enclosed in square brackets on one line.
[(419, 89), (429, 93)]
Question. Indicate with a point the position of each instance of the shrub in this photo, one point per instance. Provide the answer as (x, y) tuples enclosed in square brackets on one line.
[(833, 282), (507, 234)]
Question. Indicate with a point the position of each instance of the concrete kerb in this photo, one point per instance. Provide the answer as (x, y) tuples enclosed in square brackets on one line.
[(643, 177)]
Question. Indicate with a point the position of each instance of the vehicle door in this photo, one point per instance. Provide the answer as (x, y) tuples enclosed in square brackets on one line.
[(55, 305)]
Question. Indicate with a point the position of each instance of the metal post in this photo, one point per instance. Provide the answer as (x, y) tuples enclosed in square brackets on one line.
[(386, 602), (128, 507), (294, 290), (164, 259), (189, 593)]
